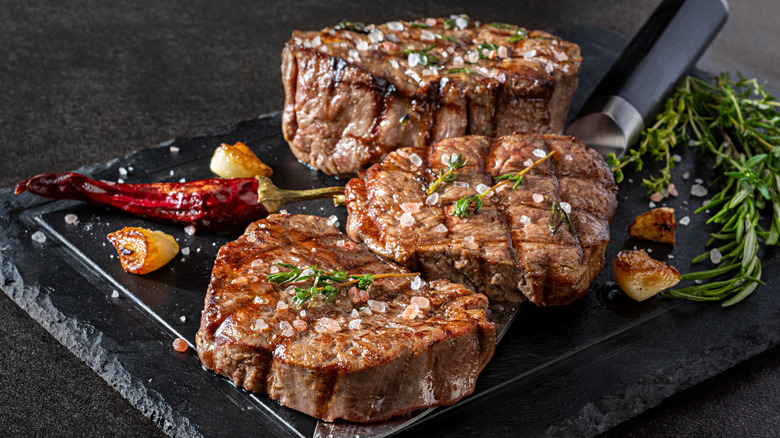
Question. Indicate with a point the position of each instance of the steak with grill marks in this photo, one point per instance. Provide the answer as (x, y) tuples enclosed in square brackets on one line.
[(339, 359), (507, 251), (354, 93)]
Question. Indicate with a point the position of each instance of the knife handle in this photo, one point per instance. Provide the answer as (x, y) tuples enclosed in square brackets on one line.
[(663, 50)]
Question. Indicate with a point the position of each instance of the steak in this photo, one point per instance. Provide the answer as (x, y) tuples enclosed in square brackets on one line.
[(354, 93), (352, 357), (507, 251)]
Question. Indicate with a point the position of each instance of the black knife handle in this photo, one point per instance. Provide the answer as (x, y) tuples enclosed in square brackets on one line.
[(664, 49)]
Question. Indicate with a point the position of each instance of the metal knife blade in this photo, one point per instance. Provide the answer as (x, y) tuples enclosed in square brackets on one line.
[(633, 91)]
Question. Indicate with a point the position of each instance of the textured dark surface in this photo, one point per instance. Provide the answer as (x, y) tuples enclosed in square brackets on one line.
[(85, 82)]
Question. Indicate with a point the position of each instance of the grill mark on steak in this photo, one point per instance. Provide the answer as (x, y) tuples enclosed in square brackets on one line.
[(385, 367), (507, 251), (529, 90)]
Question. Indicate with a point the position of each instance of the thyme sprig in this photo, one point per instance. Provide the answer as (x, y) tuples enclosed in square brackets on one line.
[(737, 123), (558, 217), (446, 175), (463, 204), (354, 26), (327, 283)]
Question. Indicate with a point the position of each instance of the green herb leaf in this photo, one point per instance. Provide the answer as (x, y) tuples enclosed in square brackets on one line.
[(354, 26), (519, 35)]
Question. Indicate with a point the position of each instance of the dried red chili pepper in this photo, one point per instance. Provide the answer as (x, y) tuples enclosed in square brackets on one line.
[(216, 204)]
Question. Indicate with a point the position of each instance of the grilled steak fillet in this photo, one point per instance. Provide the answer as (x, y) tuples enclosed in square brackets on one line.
[(352, 96), (508, 248), (318, 359)]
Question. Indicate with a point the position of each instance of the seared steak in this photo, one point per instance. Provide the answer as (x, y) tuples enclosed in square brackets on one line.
[(404, 346), (508, 247), (354, 93)]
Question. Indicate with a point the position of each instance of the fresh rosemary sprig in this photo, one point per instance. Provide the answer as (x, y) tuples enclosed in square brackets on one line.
[(463, 204), (326, 283), (446, 175), (424, 55), (737, 123), (518, 36), (558, 217)]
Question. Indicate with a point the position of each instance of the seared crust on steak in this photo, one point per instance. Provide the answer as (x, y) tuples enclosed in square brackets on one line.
[(352, 97), (507, 248), (317, 359)]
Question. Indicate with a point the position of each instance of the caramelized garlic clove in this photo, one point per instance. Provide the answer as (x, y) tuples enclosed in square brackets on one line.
[(237, 161), (657, 225), (141, 250), (641, 277)]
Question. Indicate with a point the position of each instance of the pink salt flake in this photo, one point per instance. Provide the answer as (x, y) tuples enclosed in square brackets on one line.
[(299, 325), (363, 295), (672, 189), (354, 294), (421, 302), (657, 197), (411, 311), (411, 207), (538, 198), (350, 245)]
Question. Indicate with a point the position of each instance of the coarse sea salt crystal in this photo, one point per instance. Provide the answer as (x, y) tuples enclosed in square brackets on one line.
[(354, 55), (174, 149), (362, 45), (677, 158), (38, 236), (355, 323), (377, 306), (445, 159), (528, 163), (282, 305), (190, 230), (416, 283), (185, 250), (461, 184), (114, 293), (427, 35), (123, 171), (406, 220), (395, 25), (549, 67), (461, 22), (538, 198), (568, 157), (525, 220), (528, 54), (685, 220), (376, 36), (316, 41), (354, 313), (539, 153), (698, 181), (432, 199), (566, 207), (502, 52), (441, 228), (715, 256), (698, 190), (394, 63), (421, 302), (333, 220), (686, 175), (457, 60), (259, 325), (415, 160), (299, 325), (468, 240), (482, 188), (651, 204), (71, 219), (413, 59)]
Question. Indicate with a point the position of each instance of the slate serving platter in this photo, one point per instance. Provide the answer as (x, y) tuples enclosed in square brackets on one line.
[(576, 370)]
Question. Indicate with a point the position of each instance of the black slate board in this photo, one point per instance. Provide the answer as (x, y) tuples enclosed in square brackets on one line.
[(576, 370)]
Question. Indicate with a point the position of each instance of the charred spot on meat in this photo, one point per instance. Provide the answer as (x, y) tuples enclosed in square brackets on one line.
[(543, 240), (353, 95), (398, 346)]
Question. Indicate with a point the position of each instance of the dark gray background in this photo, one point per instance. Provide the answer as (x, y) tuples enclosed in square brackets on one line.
[(86, 81)]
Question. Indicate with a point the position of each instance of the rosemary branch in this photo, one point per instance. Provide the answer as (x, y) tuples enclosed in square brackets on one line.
[(738, 124)]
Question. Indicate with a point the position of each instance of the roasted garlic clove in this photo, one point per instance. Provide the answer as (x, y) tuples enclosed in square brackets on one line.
[(141, 250), (641, 277), (237, 161), (657, 225)]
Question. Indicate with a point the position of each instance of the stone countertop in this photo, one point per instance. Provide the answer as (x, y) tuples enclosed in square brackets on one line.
[(87, 81)]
